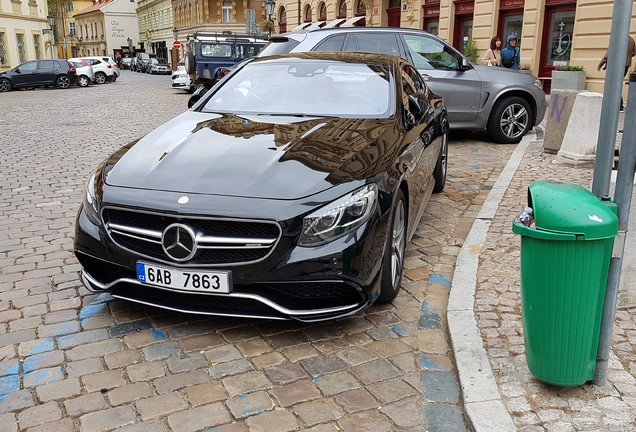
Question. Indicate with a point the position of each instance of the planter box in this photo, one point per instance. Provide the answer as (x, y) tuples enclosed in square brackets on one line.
[(568, 80)]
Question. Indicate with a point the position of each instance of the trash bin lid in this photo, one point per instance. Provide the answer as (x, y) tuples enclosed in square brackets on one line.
[(569, 208)]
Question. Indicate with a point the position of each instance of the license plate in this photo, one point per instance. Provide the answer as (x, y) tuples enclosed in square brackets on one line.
[(185, 280)]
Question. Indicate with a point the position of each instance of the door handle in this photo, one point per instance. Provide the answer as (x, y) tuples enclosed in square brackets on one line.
[(426, 77)]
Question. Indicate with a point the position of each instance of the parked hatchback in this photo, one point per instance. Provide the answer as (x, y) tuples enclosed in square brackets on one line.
[(39, 73), (506, 103)]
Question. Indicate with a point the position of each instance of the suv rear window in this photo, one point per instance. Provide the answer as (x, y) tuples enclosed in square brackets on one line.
[(279, 45)]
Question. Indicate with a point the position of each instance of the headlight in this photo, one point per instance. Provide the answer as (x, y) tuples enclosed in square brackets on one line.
[(340, 217), (91, 205), (537, 82)]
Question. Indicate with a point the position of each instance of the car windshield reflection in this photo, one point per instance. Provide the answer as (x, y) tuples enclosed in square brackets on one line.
[(307, 87)]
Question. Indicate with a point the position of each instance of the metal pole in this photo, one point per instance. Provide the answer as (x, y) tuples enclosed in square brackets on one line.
[(623, 199), (611, 97)]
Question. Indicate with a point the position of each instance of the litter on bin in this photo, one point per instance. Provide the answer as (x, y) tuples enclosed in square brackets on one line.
[(527, 217)]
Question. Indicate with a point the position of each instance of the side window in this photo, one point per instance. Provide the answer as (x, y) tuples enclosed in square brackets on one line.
[(45, 64), (428, 53), (381, 43), (28, 66), (350, 44), (331, 44)]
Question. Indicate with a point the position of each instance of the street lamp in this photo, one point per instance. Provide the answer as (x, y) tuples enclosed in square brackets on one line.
[(175, 33), (51, 18), (130, 47), (269, 11)]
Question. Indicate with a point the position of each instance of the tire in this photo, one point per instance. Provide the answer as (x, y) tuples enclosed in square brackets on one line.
[(83, 81), (510, 119), (100, 77), (5, 85), (190, 65), (441, 167), (393, 260), (112, 78), (63, 82)]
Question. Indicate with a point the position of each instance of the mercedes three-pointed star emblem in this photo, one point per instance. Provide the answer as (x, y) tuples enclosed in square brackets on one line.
[(179, 242)]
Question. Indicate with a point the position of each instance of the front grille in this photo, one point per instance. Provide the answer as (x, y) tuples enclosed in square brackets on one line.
[(218, 241)]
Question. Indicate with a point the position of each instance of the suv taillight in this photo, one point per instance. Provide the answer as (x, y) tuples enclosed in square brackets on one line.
[(109, 66), (71, 70), (116, 65)]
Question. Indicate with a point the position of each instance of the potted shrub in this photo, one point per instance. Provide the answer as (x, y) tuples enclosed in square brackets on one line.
[(568, 78), (470, 51)]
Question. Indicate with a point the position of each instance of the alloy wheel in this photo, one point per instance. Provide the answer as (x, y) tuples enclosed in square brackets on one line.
[(83, 81), (5, 86), (514, 120), (397, 243), (100, 78), (63, 82)]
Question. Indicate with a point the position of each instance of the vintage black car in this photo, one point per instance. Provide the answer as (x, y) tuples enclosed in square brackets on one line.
[(289, 191)]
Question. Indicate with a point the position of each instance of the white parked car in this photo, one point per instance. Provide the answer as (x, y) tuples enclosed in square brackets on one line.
[(181, 80), (104, 71), (114, 65), (85, 73)]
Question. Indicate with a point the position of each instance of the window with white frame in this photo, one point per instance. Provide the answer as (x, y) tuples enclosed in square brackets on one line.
[(3, 49), (36, 46), (21, 47), (226, 11), (71, 29)]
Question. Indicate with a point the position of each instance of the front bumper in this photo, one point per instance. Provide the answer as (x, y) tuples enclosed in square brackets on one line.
[(309, 284)]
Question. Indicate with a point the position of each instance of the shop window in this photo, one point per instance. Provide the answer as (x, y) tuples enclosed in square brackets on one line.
[(322, 12), (308, 13), (342, 9)]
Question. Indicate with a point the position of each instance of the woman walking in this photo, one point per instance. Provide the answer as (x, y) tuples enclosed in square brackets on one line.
[(493, 55)]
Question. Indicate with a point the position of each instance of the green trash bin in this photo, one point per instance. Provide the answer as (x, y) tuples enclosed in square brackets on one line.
[(565, 261)]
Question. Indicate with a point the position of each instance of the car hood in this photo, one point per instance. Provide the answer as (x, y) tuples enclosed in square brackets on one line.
[(250, 156)]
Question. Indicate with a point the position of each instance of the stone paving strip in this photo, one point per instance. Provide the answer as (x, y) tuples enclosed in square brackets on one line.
[(499, 391), (75, 361)]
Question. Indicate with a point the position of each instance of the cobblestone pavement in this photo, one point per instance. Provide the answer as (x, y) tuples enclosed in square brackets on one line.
[(71, 360), (533, 405)]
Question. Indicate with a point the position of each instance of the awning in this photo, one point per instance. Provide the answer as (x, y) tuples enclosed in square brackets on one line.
[(316, 25), (335, 23), (301, 27), (352, 21)]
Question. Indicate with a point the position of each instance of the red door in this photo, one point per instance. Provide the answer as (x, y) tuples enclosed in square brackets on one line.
[(394, 17)]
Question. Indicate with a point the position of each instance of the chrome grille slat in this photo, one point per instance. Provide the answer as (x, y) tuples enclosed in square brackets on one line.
[(219, 241)]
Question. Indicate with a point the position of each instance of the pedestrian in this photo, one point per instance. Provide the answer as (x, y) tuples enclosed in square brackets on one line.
[(493, 55), (510, 54), (631, 52)]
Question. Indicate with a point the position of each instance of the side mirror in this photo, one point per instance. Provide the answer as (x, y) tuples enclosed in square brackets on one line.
[(465, 63), (198, 94), (17, 70)]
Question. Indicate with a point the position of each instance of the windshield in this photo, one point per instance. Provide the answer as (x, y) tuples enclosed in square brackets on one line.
[(227, 50), (306, 87)]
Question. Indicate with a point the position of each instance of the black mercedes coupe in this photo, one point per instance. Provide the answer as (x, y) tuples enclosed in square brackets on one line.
[(289, 191)]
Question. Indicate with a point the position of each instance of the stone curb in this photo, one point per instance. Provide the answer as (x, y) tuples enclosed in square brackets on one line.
[(482, 401)]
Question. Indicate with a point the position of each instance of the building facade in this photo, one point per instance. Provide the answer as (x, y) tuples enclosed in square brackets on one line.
[(551, 32), (23, 25), (107, 27), (66, 38), (155, 26)]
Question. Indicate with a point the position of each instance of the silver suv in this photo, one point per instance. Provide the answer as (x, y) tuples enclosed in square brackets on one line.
[(504, 102)]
